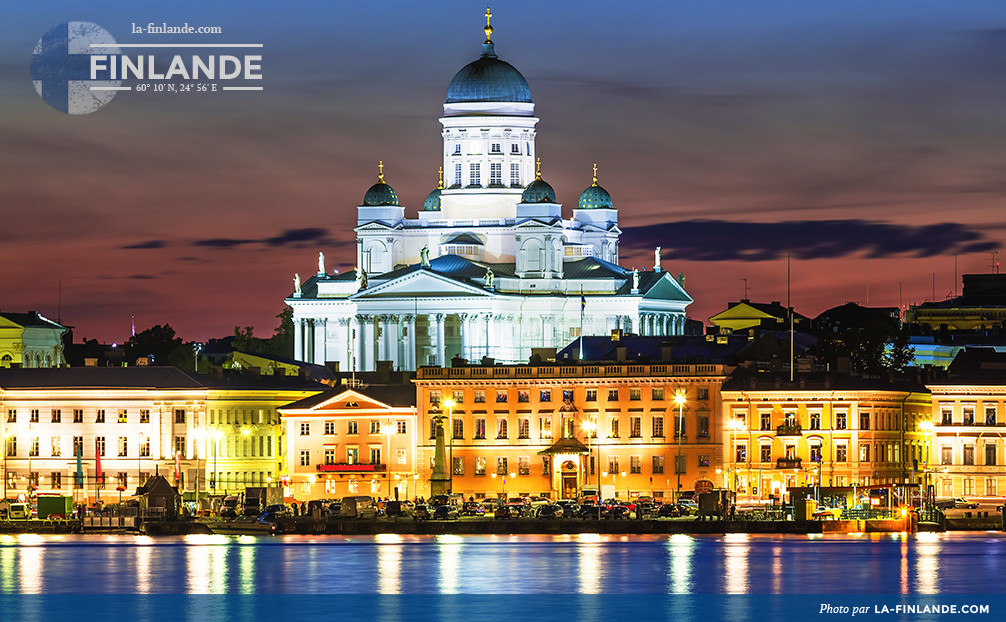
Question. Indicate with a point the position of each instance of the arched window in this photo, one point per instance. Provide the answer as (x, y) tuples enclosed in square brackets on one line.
[(6, 360)]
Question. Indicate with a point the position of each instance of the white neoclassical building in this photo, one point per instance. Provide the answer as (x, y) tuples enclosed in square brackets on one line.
[(490, 267)]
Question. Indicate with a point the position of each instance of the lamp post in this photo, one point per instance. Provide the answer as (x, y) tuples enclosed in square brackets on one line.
[(624, 481), (679, 399), (449, 403), (927, 428), (388, 429), (735, 426), (139, 467), (216, 434), (5, 441), (590, 427)]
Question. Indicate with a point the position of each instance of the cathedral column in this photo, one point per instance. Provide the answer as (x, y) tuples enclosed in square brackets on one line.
[(440, 346), (319, 341), (466, 334), (409, 344), (382, 335), (298, 340), (490, 331), (345, 329), (361, 342)]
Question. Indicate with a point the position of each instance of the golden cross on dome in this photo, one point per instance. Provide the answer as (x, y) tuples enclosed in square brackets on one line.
[(488, 29), (538, 174), (595, 174), (380, 168), (440, 171)]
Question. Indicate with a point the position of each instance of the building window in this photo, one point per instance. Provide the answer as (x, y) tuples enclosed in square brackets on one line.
[(54, 446), (946, 454), (480, 428), (352, 427), (33, 447), (458, 396), (475, 174), (457, 149), (329, 456), (480, 465), (458, 467), (179, 415), (402, 457), (842, 453), (57, 480), (480, 396), (613, 427), (702, 393), (990, 454), (123, 446), (352, 455), (496, 174), (545, 395), (457, 171), (864, 452), (305, 428), (523, 465), (612, 465), (567, 395), (33, 416), (864, 421), (703, 426), (635, 464), (144, 415), (946, 413), (375, 426), (815, 453), (99, 442), (766, 453), (501, 428), (501, 397), (459, 429), (501, 466), (969, 455), (635, 427), (969, 413), (375, 455), (658, 465), (840, 420), (434, 424), (56, 416), (305, 457), (990, 414), (546, 466), (591, 395), (815, 421), (766, 420), (545, 427), (495, 148), (612, 395), (12, 416), (514, 173), (635, 394), (145, 446), (679, 464), (703, 461), (434, 396), (401, 426), (741, 453), (523, 396), (658, 427), (180, 445), (78, 445), (657, 394), (329, 428), (123, 416), (680, 428), (523, 428)]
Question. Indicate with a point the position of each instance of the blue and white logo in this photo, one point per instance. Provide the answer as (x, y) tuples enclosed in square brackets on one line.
[(61, 67)]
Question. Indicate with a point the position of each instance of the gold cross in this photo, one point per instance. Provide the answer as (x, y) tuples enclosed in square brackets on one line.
[(595, 173), (440, 186), (488, 29), (380, 168)]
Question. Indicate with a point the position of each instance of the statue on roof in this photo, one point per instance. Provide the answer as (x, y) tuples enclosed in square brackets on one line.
[(321, 262), (681, 278), (424, 256), (296, 284), (635, 279), (489, 278), (656, 259), (363, 278)]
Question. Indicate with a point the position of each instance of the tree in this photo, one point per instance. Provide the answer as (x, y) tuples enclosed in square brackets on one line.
[(281, 342), (157, 341)]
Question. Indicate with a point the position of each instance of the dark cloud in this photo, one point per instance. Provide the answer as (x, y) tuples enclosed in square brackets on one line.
[(149, 244), (717, 240), (290, 237), (140, 277)]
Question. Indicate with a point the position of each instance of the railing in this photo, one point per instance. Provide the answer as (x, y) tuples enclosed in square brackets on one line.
[(568, 371), (788, 463), (789, 429), (342, 467)]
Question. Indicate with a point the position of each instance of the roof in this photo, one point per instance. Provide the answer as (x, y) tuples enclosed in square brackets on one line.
[(743, 380), (32, 318), (593, 268), (488, 79), (565, 446), (140, 377), (679, 349), (396, 395), (977, 365), (465, 238)]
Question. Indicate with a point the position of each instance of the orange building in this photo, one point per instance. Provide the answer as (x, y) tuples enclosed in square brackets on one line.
[(558, 431)]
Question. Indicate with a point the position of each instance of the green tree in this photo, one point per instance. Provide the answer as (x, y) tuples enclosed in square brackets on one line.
[(157, 341)]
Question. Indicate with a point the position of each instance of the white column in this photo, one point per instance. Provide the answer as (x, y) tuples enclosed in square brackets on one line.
[(298, 336), (466, 334), (409, 345), (440, 346), (318, 352), (490, 332), (342, 343), (361, 342)]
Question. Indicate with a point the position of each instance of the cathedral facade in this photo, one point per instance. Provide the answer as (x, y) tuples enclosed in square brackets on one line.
[(490, 267)]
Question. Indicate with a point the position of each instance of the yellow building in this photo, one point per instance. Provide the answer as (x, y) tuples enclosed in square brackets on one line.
[(966, 451), (557, 431), (30, 340), (747, 314), (822, 428), (359, 441)]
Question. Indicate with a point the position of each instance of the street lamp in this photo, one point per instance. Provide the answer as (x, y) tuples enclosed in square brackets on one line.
[(679, 399), (626, 486), (449, 403), (590, 427), (216, 441)]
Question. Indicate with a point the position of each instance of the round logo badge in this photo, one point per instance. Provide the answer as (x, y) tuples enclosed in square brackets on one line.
[(61, 67)]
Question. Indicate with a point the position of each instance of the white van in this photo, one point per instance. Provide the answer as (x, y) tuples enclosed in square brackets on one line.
[(358, 506)]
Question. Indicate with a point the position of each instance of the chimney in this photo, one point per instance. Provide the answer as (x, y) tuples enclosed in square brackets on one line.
[(665, 353), (620, 354)]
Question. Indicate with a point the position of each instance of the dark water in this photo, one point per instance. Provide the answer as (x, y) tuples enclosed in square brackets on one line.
[(961, 563)]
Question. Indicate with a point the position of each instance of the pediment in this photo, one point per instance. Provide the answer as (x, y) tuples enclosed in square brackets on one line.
[(420, 283), (377, 225), (667, 288), (347, 401)]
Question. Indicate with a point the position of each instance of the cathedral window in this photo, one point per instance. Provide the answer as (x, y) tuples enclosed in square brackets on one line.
[(496, 148), (457, 175), (496, 174), (515, 149), (475, 174), (457, 149), (515, 173)]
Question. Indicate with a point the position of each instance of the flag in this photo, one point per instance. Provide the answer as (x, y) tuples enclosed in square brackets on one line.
[(97, 462), (583, 303), (178, 465), (80, 469)]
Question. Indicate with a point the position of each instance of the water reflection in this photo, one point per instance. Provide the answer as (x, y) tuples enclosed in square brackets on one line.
[(927, 563), (737, 549), (681, 548), (589, 563), (389, 564), (450, 556)]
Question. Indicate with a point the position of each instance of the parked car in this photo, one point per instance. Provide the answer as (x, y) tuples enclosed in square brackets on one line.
[(825, 513), (590, 511), (422, 512), (335, 508), (669, 510), (445, 512), (549, 511), (397, 508), (229, 507), (472, 508), (272, 512), (490, 505), (616, 512), (956, 502), (510, 510), (688, 507), (569, 507)]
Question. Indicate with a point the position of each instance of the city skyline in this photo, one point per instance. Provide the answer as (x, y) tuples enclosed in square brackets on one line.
[(861, 139)]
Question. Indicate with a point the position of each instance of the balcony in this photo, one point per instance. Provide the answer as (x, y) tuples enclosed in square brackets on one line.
[(351, 468), (788, 463), (789, 429)]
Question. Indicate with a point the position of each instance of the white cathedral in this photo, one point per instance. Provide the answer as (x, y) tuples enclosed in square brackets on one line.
[(490, 268)]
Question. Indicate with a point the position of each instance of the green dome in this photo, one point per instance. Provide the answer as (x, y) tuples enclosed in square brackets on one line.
[(488, 79), (538, 191), (595, 197), (432, 202), (380, 194)]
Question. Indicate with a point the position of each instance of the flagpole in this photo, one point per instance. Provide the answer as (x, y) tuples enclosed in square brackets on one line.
[(583, 304)]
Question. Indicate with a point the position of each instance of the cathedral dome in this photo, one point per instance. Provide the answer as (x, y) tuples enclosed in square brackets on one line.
[(488, 79), (432, 202), (595, 197), (380, 194), (538, 191)]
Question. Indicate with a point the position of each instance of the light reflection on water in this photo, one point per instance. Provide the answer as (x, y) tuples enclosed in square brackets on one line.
[(582, 563)]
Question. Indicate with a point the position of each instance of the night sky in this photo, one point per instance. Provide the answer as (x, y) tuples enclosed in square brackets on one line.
[(866, 138)]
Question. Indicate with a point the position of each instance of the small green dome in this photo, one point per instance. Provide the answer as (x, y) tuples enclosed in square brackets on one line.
[(380, 194), (538, 191), (432, 202), (595, 197)]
